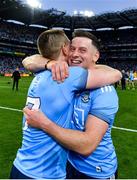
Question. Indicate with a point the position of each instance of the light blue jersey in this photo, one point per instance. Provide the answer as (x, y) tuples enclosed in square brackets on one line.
[(131, 76), (40, 155), (102, 103)]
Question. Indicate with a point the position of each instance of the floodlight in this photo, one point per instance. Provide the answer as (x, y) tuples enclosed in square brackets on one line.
[(88, 13), (75, 12), (34, 3), (84, 13), (81, 12)]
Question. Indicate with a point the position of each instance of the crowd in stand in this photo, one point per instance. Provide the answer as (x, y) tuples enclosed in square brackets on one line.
[(122, 36), (9, 63), (29, 34), (12, 51), (120, 65), (19, 33)]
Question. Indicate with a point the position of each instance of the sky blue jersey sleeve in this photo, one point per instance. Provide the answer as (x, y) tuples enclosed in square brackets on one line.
[(76, 81), (104, 104)]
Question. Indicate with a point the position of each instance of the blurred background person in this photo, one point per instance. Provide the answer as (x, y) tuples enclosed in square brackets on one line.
[(123, 80), (131, 80), (16, 76)]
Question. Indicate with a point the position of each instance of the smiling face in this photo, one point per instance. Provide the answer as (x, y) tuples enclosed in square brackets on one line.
[(82, 52)]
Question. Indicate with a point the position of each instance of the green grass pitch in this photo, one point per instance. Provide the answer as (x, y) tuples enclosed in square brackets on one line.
[(11, 127)]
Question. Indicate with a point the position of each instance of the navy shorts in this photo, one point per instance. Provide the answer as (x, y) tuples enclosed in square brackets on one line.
[(73, 173), (16, 174)]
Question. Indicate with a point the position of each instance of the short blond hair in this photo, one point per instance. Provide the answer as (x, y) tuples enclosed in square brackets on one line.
[(50, 42)]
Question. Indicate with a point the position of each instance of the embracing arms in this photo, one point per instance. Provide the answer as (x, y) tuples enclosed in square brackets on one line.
[(98, 75), (83, 142)]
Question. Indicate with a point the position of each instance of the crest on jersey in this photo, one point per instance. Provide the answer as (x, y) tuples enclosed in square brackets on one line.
[(85, 97)]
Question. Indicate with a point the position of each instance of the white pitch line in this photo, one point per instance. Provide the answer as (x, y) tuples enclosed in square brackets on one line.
[(11, 109), (114, 127), (124, 129)]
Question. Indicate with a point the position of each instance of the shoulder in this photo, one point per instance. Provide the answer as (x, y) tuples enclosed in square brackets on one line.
[(104, 103), (77, 73), (43, 73), (77, 69), (109, 89), (105, 94)]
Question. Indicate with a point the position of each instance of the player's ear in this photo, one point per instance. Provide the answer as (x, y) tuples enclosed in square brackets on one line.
[(96, 56), (65, 49)]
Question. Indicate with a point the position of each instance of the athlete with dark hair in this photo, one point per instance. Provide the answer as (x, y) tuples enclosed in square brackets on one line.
[(93, 154)]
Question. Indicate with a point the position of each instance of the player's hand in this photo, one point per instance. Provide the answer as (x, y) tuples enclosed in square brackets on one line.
[(35, 118), (59, 70)]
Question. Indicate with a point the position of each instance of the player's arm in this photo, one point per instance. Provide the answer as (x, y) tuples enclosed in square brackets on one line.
[(101, 75), (81, 142), (98, 75), (35, 63)]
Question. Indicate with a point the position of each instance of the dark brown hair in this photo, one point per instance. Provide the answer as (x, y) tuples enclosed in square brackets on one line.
[(82, 33)]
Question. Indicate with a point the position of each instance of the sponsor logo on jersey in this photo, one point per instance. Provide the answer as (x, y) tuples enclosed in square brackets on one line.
[(98, 169)]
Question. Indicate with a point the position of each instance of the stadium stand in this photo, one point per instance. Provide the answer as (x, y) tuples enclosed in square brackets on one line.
[(118, 46)]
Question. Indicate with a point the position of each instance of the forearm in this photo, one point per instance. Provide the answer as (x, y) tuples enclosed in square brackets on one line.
[(71, 139), (101, 75), (35, 63), (74, 140), (81, 142), (112, 73), (105, 68)]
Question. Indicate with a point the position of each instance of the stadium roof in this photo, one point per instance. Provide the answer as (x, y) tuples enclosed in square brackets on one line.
[(15, 10)]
